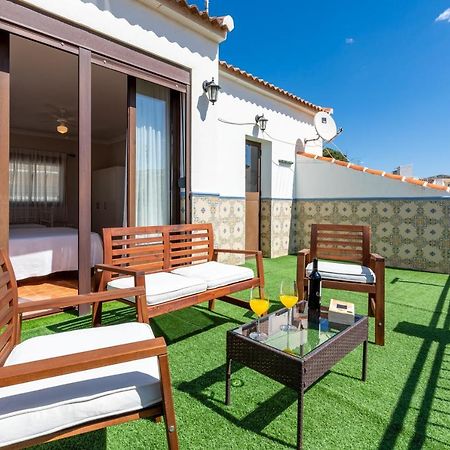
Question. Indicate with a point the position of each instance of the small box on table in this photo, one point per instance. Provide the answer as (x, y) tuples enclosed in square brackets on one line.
[(341, 312)]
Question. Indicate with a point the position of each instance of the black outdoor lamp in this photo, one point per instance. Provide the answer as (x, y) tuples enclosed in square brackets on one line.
[(212, 90), (261, 121)]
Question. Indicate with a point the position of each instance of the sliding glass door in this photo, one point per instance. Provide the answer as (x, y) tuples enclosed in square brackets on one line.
[(153, 161)]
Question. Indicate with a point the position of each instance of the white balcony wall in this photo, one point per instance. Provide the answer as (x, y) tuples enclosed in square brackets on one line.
[(288, 126), (324, 180)]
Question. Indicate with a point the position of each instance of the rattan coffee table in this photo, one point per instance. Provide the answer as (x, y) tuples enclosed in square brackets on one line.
[(298, 358)]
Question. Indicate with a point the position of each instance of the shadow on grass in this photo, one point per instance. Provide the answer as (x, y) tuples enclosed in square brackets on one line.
[(399, 280), (256, 420), (174, 327), (183, 324), (430, 335), (93, 440), (109, 317)]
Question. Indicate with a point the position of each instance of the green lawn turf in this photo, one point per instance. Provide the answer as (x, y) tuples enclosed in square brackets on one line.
[(404, 404)]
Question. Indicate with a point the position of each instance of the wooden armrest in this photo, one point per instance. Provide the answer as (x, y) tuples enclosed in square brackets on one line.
[(77, 362), (376, 257), (74, 300), (305, 252), (238, 252), (121, 270)]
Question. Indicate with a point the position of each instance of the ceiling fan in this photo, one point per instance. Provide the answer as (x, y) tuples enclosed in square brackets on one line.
[(64, 118)]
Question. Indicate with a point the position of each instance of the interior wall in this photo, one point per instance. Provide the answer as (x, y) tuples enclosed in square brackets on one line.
[(108, 185)]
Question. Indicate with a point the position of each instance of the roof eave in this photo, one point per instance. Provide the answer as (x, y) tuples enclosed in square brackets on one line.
[(214, 28), (270, 89)]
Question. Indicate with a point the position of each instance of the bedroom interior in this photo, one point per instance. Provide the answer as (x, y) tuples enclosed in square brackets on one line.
[(43, 169)]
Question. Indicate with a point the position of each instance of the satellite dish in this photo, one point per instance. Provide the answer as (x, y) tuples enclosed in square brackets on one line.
[(325, 126)]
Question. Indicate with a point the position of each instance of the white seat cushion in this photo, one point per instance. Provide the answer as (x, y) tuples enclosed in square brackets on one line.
[(343, 272), (162, 286), (41, 407), (216, 274)]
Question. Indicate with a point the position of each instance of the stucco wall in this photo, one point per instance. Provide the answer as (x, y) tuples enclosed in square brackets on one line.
[(323, 180), (288, 126)]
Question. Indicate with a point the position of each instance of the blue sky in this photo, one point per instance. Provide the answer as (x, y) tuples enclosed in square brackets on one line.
[(383, 65)]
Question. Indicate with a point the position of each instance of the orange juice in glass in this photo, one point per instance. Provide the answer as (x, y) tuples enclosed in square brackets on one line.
[(259, 306), (289, 297)]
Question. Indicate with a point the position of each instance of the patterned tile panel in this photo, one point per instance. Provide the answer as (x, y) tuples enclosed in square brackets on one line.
[(413, 234), (228, 218), (278, 227)]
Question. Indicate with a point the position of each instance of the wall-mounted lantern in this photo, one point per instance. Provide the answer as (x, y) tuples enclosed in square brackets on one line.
[(212, 90), (261, 121)]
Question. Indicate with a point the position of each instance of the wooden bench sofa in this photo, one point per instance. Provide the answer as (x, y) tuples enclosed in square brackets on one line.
[(178, 266)]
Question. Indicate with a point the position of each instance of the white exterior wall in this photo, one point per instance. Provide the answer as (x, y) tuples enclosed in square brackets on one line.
[(288, 126), (184, 43), (323, 180), (218, 149)]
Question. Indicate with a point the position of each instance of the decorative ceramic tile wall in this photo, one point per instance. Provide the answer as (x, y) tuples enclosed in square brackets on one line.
[(276, 227), (228, 218), (413, 234), (266, 227)]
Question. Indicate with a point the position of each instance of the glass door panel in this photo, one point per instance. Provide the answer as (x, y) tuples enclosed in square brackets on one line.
[(153, 162)]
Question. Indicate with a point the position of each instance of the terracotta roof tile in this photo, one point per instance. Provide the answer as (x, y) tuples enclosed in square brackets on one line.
[(264, 84), (381, 173), (393, 176), (216, 22)]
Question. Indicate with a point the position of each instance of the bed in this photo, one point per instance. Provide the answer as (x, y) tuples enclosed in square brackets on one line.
[(37, 250)]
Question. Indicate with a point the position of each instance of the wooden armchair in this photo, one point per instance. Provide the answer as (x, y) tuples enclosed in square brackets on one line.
[(365, 273), (61, 385)]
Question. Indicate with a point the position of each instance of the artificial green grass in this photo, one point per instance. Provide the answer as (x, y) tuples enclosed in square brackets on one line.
[(404, 404)]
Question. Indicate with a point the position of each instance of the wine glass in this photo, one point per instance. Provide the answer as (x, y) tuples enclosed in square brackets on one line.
[(259, 306), (289, 297)]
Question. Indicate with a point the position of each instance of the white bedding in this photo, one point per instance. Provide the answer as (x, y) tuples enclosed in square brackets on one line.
[(40, 251)]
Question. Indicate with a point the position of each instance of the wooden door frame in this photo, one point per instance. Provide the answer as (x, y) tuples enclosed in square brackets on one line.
[(257, 144), (4, 137), (91, 48), (131, 152), (175, 105), (84, 173)]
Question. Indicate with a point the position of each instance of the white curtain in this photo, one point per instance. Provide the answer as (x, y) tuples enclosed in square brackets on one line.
[(37, 186), (152, 155)]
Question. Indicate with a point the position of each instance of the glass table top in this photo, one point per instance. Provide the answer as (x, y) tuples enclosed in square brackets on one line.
[(300, 341)]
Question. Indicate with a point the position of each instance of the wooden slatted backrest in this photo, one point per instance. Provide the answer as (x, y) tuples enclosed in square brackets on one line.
[(190, 244), (157, 248), (137, 247), (9, 322), (341, 242)]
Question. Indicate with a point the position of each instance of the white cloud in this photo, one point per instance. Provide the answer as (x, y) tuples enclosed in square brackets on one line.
[(349, 40), (444, 16)]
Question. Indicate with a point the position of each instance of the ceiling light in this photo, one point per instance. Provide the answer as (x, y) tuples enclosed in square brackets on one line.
[(62, 127)]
